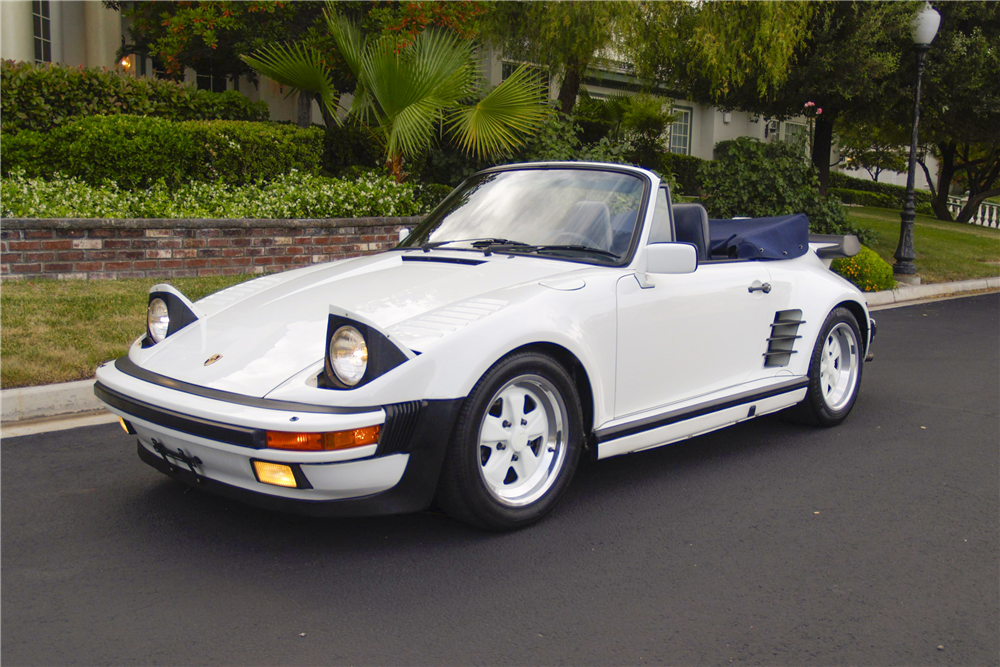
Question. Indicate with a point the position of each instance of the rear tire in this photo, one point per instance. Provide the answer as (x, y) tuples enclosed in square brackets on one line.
[(834, 372), (515, 446)]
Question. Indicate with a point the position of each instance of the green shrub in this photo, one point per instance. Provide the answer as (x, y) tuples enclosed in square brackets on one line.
[(350, 146), (754, 179), (42, 97), (867, 270), (137, 151), (432, 194), (862, 198), (897, 192), (686, 169), (292, 195)]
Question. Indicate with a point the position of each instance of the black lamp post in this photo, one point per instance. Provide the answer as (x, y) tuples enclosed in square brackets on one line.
[(925, 26)]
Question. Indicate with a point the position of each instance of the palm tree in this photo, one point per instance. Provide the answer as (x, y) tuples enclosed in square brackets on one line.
[(405, 93)]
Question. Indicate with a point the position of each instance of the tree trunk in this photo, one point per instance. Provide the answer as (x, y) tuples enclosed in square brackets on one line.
[(822, 147), (570, 86), (972, 205), (304, 116), (946, 172)]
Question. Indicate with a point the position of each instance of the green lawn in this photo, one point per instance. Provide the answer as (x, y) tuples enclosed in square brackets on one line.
[(945, 250), (61, 330), (57, 331)]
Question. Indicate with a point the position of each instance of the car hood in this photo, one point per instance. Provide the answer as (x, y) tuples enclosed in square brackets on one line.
[(269, 329)]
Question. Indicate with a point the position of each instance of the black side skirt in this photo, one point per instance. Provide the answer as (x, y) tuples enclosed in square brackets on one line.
[(658, 421)]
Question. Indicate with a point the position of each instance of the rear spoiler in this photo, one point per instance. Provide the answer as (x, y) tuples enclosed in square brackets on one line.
[(832, 246)]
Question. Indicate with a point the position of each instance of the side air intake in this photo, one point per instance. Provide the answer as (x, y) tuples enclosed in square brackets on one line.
[(781, 342)]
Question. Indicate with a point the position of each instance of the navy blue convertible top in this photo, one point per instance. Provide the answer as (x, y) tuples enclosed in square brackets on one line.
[(780, 237)]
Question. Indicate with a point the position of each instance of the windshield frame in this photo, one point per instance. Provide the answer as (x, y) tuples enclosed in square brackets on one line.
[(433, 217)]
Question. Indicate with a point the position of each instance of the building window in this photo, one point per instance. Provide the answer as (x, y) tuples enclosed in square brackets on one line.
[(508, 68), (42, 24), (209, 81), (680, 131), (796, 134)]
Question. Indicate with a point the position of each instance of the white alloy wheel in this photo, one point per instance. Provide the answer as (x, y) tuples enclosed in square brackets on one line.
[(522, 445), (838, 366)]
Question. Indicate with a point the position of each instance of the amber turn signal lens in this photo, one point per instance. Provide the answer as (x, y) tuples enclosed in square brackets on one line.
[(320, 442), (274, 473)]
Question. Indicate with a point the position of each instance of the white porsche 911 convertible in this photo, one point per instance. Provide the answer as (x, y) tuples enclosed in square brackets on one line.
[(542, 312)]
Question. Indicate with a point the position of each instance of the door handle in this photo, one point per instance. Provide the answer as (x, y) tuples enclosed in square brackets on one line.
[(765, 288)]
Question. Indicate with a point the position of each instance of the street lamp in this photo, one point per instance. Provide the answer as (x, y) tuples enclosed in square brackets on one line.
[(924, 26)]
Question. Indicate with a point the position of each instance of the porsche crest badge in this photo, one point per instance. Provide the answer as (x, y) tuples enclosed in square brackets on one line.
[(212, 359)]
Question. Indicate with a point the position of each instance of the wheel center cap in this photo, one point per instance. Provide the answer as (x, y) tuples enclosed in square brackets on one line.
[(519, 441)]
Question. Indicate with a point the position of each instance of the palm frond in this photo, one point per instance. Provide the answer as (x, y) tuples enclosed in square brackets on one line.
[(299, 67), (350, 42), (498, 123)]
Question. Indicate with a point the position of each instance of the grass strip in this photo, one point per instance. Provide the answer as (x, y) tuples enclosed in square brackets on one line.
[(62, 330), (945, 251)]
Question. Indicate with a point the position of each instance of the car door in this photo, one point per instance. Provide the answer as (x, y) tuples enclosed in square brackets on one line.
[(688, 335)]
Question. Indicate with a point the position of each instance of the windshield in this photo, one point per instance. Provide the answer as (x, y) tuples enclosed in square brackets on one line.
[(545, 211)]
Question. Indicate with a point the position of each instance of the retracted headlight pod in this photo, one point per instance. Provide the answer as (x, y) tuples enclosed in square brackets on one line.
[(168, 312)]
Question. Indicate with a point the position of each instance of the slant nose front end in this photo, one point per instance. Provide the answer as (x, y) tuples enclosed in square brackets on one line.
[(309, 459)]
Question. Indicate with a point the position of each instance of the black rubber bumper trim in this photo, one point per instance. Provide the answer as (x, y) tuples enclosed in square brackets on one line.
[(127, 366), (413, 493), (650, 423), (205, 428)]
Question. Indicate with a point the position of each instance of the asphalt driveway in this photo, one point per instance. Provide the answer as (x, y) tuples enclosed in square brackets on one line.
[(768, 543)]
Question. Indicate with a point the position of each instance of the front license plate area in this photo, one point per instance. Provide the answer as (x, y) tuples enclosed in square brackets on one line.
[(178, 457)]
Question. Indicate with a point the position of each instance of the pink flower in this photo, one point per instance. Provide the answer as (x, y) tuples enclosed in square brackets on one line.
[(809, 104), (819, 111)]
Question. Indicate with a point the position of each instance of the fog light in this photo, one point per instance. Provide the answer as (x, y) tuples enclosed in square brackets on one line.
[(318, 442), (277, 474), (125, 425)]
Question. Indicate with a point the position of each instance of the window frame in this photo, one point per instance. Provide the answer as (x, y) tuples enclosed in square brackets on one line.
[(689, 112), (41, 23)]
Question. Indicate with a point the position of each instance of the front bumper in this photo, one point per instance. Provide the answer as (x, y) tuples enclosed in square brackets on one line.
[(209, 443)]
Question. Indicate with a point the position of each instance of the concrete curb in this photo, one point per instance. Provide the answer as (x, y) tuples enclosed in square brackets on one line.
[(57, 400), (47, 401), (905, 293)]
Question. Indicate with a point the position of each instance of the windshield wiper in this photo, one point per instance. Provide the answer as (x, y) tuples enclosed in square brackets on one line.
[(479, 243), (570, 247)]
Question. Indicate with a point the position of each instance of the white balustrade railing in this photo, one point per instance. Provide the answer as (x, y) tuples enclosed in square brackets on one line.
[(988, 214)]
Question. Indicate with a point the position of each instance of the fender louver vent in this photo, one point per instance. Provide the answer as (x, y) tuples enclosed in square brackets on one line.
[(784, 333), (400, 420)]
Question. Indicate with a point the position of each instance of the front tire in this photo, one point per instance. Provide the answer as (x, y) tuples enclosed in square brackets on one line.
[(516, 444), (834, 371)]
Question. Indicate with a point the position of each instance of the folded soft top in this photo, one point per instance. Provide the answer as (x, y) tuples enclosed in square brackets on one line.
[(780, 237)]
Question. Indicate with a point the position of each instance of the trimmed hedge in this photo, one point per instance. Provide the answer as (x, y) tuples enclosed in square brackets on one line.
[(42, 97), (754, 179), (293, 195), (686, 169), (137, 151), (862, 198), (898, 192), (867, 270)]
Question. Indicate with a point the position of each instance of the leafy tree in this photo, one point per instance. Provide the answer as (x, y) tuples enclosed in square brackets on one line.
[(771, 58), (960, 104), (404, 93), (210, 36), (567, 37), (872, 147)]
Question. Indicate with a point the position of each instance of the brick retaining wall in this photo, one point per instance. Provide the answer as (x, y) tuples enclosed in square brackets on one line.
[(106, 248)]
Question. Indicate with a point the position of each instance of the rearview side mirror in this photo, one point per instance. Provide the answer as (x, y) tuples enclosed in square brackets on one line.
[(671, 258), (403, 233)]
